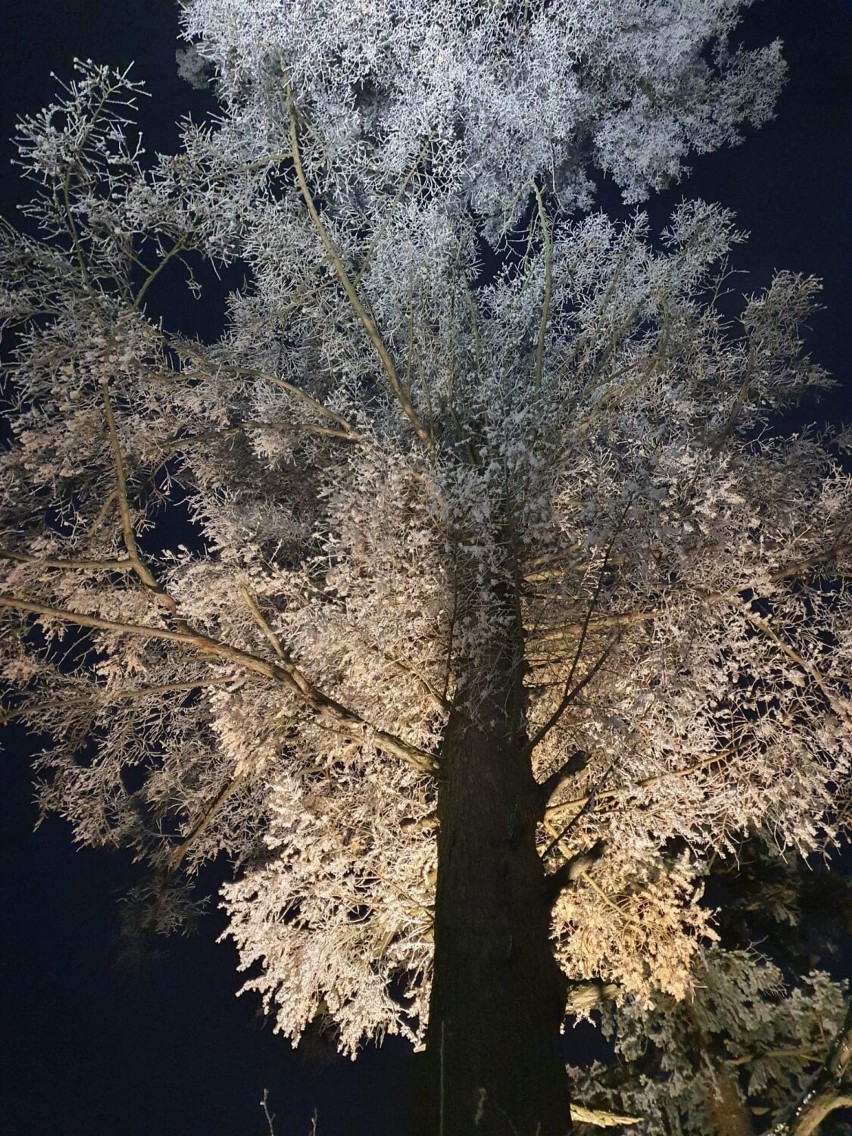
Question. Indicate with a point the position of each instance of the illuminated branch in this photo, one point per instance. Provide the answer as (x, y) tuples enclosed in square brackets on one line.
[(843, 711), (623, 619), (68, 565), (619, 619), (205, 820), (153, 273), (141, 570), (404, 184), (257, 615), (439, 701), (328, 710), (589, 994), (548, 788), (346, 431), (363, 315), (830, 1089), (600, 1118), (580, 802), (570, 693), (800, 567), (575, 867)]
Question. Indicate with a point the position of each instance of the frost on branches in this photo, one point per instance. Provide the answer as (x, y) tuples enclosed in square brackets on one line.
[(540, 505)]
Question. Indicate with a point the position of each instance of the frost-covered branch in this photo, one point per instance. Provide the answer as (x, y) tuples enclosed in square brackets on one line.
[(366, 319), (327, 709)]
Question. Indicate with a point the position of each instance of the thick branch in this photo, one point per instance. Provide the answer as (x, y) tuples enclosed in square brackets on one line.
[(551, 785), (125, 565), (327, 709), (571, 870), (600, 1118), (589, 994), (204, 821)]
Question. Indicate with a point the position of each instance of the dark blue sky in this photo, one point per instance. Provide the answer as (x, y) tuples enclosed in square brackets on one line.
[(88, 1050)]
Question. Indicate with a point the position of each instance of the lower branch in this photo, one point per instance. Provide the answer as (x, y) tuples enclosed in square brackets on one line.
[(326, 708), (600, 1118), (571, 870), (548, 788)]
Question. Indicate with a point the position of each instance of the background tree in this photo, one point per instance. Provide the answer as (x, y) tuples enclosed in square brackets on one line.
[(504, 558), (760, 1044)]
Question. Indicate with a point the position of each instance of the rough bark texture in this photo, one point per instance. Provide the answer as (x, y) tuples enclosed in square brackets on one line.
[(498, 997), (729, 1113)]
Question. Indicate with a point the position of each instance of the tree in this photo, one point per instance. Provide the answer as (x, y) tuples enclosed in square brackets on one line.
[(503, 612)]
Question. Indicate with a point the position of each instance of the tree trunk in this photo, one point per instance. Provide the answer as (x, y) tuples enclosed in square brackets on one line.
[(729, 1113), (493, 1066)]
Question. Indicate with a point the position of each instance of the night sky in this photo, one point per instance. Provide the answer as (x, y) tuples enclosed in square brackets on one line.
[(89, 1048)]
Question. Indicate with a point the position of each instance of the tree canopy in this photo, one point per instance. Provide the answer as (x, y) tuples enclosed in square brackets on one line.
[(493, 536)]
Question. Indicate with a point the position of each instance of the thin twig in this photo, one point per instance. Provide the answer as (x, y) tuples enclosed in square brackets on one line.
[(139, 567), (570, 694), (346, 431), (602, 794), (270, 1116)]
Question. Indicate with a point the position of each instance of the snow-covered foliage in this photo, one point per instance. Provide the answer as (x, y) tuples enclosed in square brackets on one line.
[(381, 446), (491, 93)]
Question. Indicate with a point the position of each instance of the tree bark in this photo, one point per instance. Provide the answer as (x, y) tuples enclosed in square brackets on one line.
[(493, 1066), (728, 1110), (729, 1113)]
